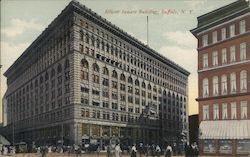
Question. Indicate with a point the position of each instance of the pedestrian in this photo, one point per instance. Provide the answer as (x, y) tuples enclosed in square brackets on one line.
[(117, 150), (78, 151), (158, 151), (133, 151), (196, 150), (168, 151), (187, 150), (109, 153), (98, 150), (153, 150)]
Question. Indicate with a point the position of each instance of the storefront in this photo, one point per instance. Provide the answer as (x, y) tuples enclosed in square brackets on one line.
[(226, 138)]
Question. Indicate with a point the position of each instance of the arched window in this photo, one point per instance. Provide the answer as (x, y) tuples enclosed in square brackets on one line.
[(149, 87), (102, 45), (107, 47), (46, 76), (130, 80), (66, 64), (95, 67), (155, 89), (143, 85), (164, 92), (59, 68), (137, 83), (41, 79), (84, 63), (224, 84), (92, 40), (97, 43), (205, 87), (105, 71), (87, 38), (122, 77), (233, 82), (243, 81), (53, 72), (114, 74), (215, 85)]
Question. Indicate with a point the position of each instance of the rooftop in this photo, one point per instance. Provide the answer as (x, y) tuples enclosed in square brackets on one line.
[(75, 6)]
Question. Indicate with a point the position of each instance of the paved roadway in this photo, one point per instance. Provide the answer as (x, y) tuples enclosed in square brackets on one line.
[(72, 155)]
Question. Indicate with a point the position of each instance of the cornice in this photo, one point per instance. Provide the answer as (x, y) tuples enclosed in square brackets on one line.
[(222, 96), (94, 17), (76, 7)]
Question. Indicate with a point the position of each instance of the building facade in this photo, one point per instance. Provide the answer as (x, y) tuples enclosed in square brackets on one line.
[(224, 80), (193, 122), (85, 81)]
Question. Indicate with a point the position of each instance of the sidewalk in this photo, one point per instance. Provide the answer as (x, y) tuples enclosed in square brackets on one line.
[(73, 155)]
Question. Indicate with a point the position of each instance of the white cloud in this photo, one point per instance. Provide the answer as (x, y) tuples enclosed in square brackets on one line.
[(19, 26), (182, 38), (9, 53)]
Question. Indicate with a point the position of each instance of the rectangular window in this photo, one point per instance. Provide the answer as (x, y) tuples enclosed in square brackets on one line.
[(224, 111), (242, 51), (232, 54), (243, 146), (214, 36), (209, 146), (223, 33), (225, 146), (233, 110), (232, 30), (206, 112), (215, 58), (242, 26), (204, 40), (224, 55), (205, 60), (216, 111), (243, 108)]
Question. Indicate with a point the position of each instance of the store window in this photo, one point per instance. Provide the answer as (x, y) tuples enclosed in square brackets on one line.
[(243, 146), (209, 146), (225, 146)]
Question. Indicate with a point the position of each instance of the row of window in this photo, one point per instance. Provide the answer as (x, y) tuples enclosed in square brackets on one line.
[(223, 32), (225, 108), (224, 84), (94, 41), (224, 56)]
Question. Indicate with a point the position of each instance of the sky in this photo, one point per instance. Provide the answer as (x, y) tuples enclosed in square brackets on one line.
[(22, 21)]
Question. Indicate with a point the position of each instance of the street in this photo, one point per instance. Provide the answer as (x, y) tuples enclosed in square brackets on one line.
[(73, 155)]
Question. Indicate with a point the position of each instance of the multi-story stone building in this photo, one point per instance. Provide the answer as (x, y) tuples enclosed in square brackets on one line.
[(224, 79), (84, 80)]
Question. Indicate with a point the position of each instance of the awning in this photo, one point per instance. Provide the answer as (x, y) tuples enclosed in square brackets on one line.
[(225, 129)]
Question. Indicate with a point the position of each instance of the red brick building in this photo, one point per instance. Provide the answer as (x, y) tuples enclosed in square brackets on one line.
[(224, 80)]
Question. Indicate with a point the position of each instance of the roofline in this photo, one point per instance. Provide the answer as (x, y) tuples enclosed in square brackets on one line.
[(76, 4)]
